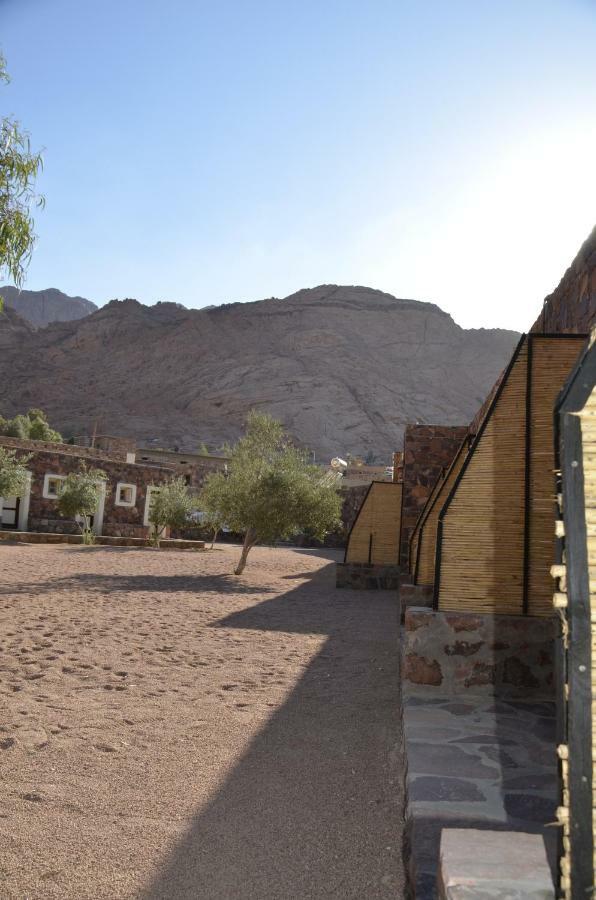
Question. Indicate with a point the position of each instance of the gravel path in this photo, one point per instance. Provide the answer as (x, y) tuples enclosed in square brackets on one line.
[(168, 730)]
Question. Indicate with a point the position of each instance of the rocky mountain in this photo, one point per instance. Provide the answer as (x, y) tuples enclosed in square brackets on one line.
[(345, 368), (42, 307)]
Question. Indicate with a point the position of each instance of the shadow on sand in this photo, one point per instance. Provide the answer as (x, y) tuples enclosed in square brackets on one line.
[(314, 807)]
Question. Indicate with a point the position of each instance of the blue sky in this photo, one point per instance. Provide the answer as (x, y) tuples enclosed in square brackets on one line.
[(208, 152)]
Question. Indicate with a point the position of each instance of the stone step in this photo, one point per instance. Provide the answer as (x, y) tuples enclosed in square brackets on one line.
[(486, 865)]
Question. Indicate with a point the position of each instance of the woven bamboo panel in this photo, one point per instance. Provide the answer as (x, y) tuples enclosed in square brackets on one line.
[(379, 518), (551, 362), (415, 536), (588, 425), (482, 548), (427, 543)]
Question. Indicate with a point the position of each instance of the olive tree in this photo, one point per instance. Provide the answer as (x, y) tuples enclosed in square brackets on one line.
[(13, 473), (79, 498), (270, 491), (19, 167), (32, 426), (171, 505)]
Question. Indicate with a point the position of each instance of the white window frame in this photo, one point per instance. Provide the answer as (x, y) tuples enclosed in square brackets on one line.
[(150, 490), (49, 476), (118, 501)]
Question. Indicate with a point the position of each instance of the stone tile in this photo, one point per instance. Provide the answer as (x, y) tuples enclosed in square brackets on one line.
[(425, 886), (424, 701), (435, 734), (538, 708), (430, 759), (429, 787), (459, 709), (530, 808), (486, 739), (531, 781), (505, 759)]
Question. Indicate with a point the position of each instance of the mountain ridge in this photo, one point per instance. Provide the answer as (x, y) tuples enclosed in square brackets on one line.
[(41, 308), (344, 367)]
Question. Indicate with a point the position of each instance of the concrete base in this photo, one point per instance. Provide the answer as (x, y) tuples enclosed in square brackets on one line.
[(466, 653), (362, 576), (493, 864)]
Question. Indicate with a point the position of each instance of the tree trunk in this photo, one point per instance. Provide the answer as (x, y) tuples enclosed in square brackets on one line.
[(214, 538), (250, 539)]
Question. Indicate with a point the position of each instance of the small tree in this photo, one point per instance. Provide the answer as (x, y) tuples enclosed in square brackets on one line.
[(79, 498), (209, 500), (18, 170), (171, 505), (270, 491), (13, 473), (32, 426)]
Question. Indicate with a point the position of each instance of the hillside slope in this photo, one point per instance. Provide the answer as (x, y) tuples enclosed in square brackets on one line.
[(345, 368), (42, 307)]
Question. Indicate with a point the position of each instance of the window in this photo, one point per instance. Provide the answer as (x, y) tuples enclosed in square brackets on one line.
[(52, 485), (126, 494), (151, 493)]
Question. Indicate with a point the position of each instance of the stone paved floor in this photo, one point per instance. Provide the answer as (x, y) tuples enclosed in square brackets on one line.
[(477, 763)]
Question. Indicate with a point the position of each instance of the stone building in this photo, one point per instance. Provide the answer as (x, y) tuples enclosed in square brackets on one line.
[(428, 449), (125, 497), (194, 467)]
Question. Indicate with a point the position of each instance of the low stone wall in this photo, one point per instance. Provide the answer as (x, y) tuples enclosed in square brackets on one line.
[(427, 450), (39, 537), (362, 576), (67, 526), (512, 656)]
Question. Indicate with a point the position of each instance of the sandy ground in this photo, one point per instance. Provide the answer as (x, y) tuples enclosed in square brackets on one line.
[(168, 730)]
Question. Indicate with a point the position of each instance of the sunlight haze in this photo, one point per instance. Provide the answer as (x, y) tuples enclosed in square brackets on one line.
[(209, 153)]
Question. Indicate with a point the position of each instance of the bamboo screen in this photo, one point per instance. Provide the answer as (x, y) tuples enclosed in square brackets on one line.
[(551, 362), (575, 598), (482, 528), (488, 548), (424, 571), (415, 536), (375, 534)]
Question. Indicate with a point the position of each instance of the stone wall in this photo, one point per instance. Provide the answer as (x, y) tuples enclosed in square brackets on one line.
[(118, 521), (64, 449), (427, 450), (571, 308), (352, 499), (366, 577), (193, 467), (509, 656)]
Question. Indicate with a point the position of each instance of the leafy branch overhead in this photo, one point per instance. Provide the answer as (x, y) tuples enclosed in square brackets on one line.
[(19, 167), (271, 491)]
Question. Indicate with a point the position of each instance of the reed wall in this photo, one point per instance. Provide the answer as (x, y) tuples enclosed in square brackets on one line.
[(375, 535), (494, 536)]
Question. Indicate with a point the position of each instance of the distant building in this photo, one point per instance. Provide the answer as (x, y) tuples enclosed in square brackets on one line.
[(193, 467), (125, 500)]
